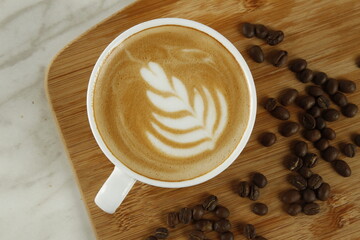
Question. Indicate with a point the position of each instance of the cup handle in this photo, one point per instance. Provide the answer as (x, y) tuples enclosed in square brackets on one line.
[(114, 191)]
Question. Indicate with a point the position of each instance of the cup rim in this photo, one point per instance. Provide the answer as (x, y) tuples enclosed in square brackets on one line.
[(228, 45)]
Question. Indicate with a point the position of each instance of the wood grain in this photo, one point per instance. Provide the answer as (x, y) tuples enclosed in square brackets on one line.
[(325, 33)]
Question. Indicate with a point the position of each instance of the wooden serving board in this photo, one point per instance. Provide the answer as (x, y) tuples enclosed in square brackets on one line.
[(325, 33)]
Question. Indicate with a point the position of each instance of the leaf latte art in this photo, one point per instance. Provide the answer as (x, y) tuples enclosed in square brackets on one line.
[(200, 124)]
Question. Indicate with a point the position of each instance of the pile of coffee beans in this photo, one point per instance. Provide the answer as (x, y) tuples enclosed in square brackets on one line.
[(249, 232)]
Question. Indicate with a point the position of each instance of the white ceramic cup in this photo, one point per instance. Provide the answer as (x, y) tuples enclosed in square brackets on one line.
[(121, 180)]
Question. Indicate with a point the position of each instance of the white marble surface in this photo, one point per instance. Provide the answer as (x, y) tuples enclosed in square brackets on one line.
[(39, 198)]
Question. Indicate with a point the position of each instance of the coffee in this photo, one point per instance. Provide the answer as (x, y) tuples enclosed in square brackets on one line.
[(171, 103)]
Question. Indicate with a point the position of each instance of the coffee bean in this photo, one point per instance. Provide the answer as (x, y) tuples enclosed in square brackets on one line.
[(172, 219), (210, 203), (342, 168), (289, 128), (339, 99), (331, 86), (311, 209), (305, 75), (297, 181), (349, 150), (151, 238), (300, 148), (310, 160), (293, 163), (196, 235), (323, 102), (244, 189), (227, 236), (161, 233), (357, 140), (306, 102), (289, 96), (222, 225), (347, 86), (249, 231), (274, 37), (319, 78), (350, 110), (279, 58), (254, 192), (291, 196), (331, 115), (259, 180), (222, 212), (323, 192), (261, 31), (312, 135), (308, 121), (357, 61), (330, 154), (256, 54), (280, 113), (198, 212), (315, 181), (185, 215), (297, 65), (260, 209), (294, 209), (260, 238), (314, 91), (320, 123), (305, 172), (268, 139), (204, 225), (248, 30), (328, 133), (308, 195), (270, 104), (314, 111), (322, 144)]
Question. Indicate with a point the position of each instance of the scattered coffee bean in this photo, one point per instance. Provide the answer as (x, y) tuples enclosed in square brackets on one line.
[(254, 192), (357, 61), (222, 225), (305, 172), (297, 181), (323, 102), (342, 168), (331, 86), (268, 139), (308, 121), (261, 31), (256, 54), (308, 195), (300, 148), (331, 115), (222, 212), (320, 123), (151, 238), (204, 225), (185, 215), (248, 30), (357, 140), (210, 203), (249, 231), (314, 111), (339, 99), (289, 96), (347, 86), (270, 104), (274, 37), (161, 233), (314, 91), (311, 209), (294, 209), (305, 75), (260, 209), (260, 238), (315, 181), (323, 192), (310, 160), (280, 113), (289, 128), (328, 133), (173, 219), (330, 154), (297, 65), (319, 78), (279, 58), (244, 189), (291, 196), (227, 236), (306, 102), (322, 144), (259, 180), (350, 110), (349, 150), (196, 235), (198, 212), (312, 135), (293, 163)]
